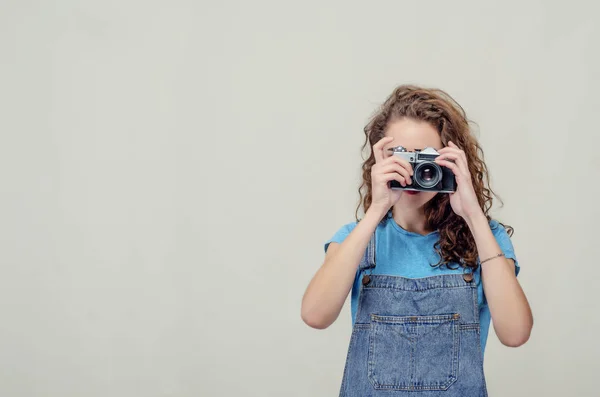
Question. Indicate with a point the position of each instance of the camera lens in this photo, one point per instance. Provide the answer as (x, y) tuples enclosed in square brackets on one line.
[(427, 174)]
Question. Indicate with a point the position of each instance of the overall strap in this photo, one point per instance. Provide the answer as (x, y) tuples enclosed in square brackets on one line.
[(368, 260)]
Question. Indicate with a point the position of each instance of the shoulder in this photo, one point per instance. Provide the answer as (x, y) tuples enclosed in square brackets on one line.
[(494, 224), (346, 228), (340, 234), (499, 229), (502, 234), (349, 226)]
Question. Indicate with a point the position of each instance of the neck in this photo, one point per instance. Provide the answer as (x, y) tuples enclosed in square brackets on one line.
[(411, 220)]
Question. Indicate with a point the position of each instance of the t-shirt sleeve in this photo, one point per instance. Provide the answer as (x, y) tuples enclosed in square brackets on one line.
[(341, 234), (505, 243)]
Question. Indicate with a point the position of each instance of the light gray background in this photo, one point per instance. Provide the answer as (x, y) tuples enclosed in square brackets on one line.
[(171, 170)]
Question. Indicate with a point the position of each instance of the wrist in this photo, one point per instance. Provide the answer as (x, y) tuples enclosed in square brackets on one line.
[(475, 219), (376, 211)]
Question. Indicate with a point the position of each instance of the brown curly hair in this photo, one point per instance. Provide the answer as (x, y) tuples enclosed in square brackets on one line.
[(434, 106)]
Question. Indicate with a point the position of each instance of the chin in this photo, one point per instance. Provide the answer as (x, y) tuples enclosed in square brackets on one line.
[(414, 201)]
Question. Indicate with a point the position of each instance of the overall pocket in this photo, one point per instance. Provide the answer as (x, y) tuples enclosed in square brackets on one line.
[(413, 352)]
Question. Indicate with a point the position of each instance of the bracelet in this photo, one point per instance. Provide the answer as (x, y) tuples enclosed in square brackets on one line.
[(495, 256)]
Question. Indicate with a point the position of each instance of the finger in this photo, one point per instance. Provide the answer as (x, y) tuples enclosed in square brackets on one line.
[(462, 152), (378, 148), (449, 149), (394, 176), (458, 150), (457, 158), (453, 145), (453, 159), (449, 164), (402, 162), (394, 167)]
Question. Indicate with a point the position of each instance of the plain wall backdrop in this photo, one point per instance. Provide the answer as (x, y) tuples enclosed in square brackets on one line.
[(170, 171)]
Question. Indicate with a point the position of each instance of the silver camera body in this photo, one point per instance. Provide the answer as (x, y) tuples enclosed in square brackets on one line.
[(428, 176)]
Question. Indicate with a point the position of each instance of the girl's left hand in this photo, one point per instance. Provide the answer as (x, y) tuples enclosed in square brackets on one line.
[(464, 201)]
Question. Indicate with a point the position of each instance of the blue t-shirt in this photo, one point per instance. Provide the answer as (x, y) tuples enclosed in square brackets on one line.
[(408, 254)]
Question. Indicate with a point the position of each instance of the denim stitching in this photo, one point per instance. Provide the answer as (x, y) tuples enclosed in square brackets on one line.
[(456, 356), (475, 303), (470, 327), (411, 290), (370, 355)]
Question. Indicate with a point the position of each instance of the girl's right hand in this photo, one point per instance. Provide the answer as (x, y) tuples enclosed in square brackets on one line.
[(387, 167)]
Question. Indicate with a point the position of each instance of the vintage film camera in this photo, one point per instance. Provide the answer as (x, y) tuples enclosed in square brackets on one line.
[(428, 176)]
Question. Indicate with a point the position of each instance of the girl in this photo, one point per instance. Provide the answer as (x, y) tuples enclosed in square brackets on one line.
[(427, 270)]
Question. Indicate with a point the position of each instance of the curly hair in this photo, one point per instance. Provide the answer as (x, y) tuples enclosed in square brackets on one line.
[(434, 106)]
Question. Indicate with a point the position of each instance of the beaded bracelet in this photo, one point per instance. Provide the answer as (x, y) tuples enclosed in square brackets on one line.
[(495, 256)]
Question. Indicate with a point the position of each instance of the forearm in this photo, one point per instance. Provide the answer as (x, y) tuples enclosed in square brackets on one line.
[(327, 291), (510, 311)]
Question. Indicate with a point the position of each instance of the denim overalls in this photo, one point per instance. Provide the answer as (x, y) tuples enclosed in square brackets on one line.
[(414, 337)]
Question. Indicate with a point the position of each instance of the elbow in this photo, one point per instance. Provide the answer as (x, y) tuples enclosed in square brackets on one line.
[(515, 341), (517, 338), (314, 320)]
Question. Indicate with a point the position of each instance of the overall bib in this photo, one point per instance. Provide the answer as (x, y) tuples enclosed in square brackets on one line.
[(414, 337)]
